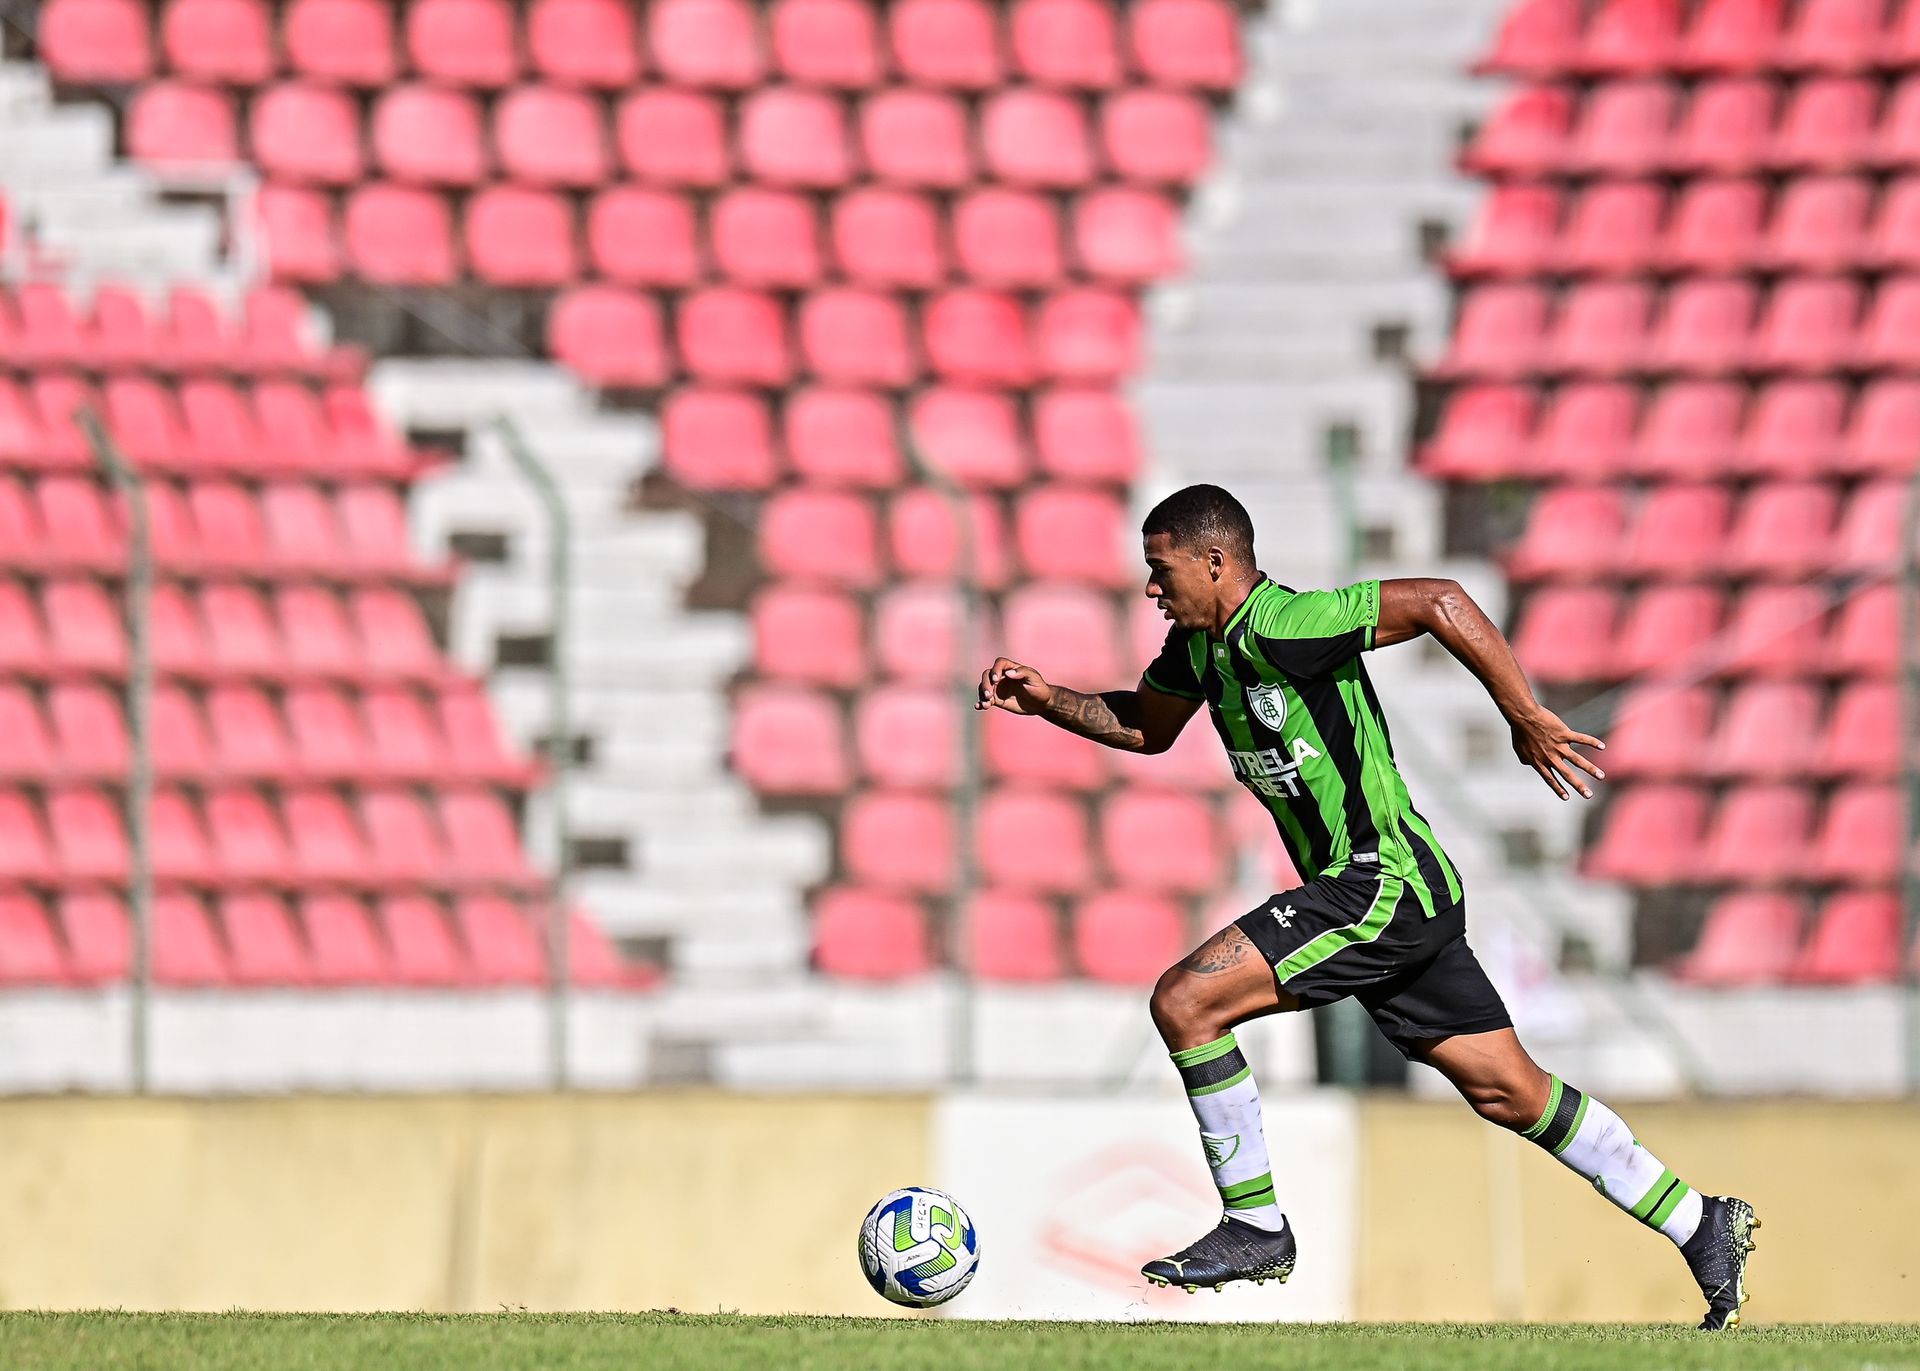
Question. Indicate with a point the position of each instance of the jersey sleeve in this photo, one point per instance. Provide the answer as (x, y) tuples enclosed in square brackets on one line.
[(1313, 632), (1171, 673)]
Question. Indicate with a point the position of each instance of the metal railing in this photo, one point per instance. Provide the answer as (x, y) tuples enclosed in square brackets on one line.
[(1909, 648)]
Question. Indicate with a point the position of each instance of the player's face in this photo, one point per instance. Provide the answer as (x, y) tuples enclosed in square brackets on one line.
[(1179, 582)]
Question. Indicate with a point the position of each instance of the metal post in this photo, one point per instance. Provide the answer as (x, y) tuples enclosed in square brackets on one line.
[(559, 743), (1345, 1022), (139, 795), (1910, 774)]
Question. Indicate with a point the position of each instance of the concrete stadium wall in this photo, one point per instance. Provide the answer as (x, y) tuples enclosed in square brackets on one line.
[(1406, 1210)]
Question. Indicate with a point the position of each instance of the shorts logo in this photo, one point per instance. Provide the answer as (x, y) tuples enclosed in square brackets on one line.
[(1269, 705), (1283, 917)]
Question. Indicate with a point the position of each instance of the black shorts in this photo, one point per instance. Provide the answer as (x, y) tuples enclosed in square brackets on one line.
[(1367, 935)]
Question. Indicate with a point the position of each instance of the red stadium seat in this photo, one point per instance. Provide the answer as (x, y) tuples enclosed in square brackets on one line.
[(78, 527), (971, 435), (399, 235), (1186, 43), (178, 845), (248, 739), (423, 947), (1895, 142), (375, 523), (645, 237), (1866, 714), (349, 41), (120, 331), (98, 939), (1691, 429), (1084, 433), (1053, 759), (675, 137), (946, 43), (225, 42), (1527, 133), (89, 838), (1818, 224), (827, 43), (88, 728), (1827, 123), (705, 43), (1731, 36), (1862, 836), (1073, 43), (500, 942), (228, 520), (1586, 432), (1833, 35), (1010, 937), (1627, 36), (1088, 335), (590, 43), (1715, 225), (1808, 326), (1893, 240), (1680, 532), (803, 633), (1625, 128), (178, 641), (869, 935), (1650, 835), (263, 947), (1749, 938), (1009, 238), (404, 844), (1873, 530), (1777, 631), (1901, 42), (463, 42), (1883, 434), (855, 336), (1537, 37), (888, 237), (826, 536), (297, 236), (241, 636), (1033, 840), (1036, 138), (29, 952), (734, 336), (766, 238), (1887, 334), (1156, 135), (1614, 228), (521, 237), (406, 739), (84, 626), (791, 136), (1071, 533), (328, 740), (898, 841), (1660, 732), (25, 852), (1866, 634), (1065, 631), (1793, 430), (31, 750), (327, 842), (341, 946), (924, 540), (1601, 329), (978, 336), (1784, 530), (315, 630), (718, 439), (393, 635), (185, 950), (550, 136), (908, 736), (1727, 127), (1565, 634), (1161, 840), (1127, 937), (1499, 332), (920, 633), (1768, 728), (1482, 433), (916, 137), (1856, 941), (1128, 235), (1571, 531), (610, 336), (180, 745), (839, 436), (1707, 327), (96, 41), (190, 129)]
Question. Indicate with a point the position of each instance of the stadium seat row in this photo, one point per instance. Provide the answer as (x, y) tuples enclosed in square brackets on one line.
[(1722, 225), (1756, 938), (236, 730), (1776, 729), (1615, 37), (386, 837), (598, 43), (547, 136), (1634, 128), (1786, 529), (1664, 833), (516, 236), (248, 939), (1693, 430), (1595, 633)]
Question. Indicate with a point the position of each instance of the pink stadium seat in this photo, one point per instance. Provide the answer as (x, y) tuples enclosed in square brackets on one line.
[(430, 135), (227, 520), (1010, 937), (1827, 123), (328, 740), (1715, 225), (971, 435), (403, 841), (31, 749), (393, 635), (1749, 938), (1793, 430), (1731, 36), (1073, 43), (1601, 328), (25, 852), (1186, 43), (551, 136), (49, 330), (1650, 835), (1627, 36), (178, 845), (1691, 429), (180, 744), (1660, 732), (1032, 839), (1072, 533), (374, 522), (1088, 334), (718, 439), (1066, 631), (675, 137), (101, 41), (1033, 137), (590, 43), (791, 136), (595, 962), (839, 436), (1085, 433), (610, 336), (78, 526), (1727, 126), (173, 125), (248, 739), (424, 951), (241, 636), (463, 42), (765, 238), (517, 236), (225, 42), (1886, 338), (1482, 433), (826, 536), (406, 739), (977, 337), (1901, 42), (85, 626), (801, 633), (1856, 941), (705, 43), (1537, 37), (98, 939), (1866, 634), (919, 633), (179, 642), (1707, 326), (200, 334), (1856, 740), (1055, 759), (1818, 224), (1895, 142), (1148, 134), (262, 946), (341, 946), (1624, 127), (1777, 630), (1161, 840), (790, 742), (898, 841), (855, 336), (121, 330), (946, 43), (476, 746), (1127, 937), (1893, 239), (185, 950), (29, 952), (1680, 532), (89, 838), (89, 730), (1784, 530), (1873, 530), (1500, 331), (869, 935), (730, 335), (1883, 434), (908, 736), (1586, 432), (827, 43), (1833, 35), (297, 235), (1566, 632), (1862, 836), (1808, 326), (145, 421), (291, 423), (917, 137), (400, 236), (1767, 728), (888, 237), (1127, 234), (644, 237), (1571, 531), (1005, 237), (501, 946), (1527, 133), (58, 441), (1614, 227), (349, 41), (923, 539)]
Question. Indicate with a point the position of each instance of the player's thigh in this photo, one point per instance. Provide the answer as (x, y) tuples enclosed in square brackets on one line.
[(1222, 982), (1494, 1072)]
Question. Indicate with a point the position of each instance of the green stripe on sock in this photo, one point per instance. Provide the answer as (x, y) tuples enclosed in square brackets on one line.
[(1664, 1210), (1656, 1193), (1553, 1103), (1579, 1117), (1249, 1194), (1218, 1086), (1206, 1052)]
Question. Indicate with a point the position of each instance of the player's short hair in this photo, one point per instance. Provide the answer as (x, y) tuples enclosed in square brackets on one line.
[(1203, 517)]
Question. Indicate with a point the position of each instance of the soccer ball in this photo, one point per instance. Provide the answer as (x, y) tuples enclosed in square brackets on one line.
[(918, 1247)]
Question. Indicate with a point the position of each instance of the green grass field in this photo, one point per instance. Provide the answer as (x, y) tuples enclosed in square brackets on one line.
[(677, 1342)]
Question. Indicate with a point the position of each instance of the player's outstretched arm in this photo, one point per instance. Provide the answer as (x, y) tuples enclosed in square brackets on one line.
[(1139, 720), (1416, 605)]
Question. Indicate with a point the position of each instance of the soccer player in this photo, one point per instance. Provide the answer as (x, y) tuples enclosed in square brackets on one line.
[(1382, 915)]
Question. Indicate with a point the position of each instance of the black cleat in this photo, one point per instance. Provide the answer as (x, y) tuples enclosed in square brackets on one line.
[(1717, 1252), (1234, 1251)]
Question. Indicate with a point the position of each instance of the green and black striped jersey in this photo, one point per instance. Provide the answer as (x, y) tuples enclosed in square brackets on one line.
[(1304, 730)]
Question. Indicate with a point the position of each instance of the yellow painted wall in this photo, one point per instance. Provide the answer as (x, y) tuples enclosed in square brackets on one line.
[(447, 1204), (1443, 1198)]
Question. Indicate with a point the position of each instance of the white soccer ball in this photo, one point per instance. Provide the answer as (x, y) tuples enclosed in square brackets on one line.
[(918, 1247)]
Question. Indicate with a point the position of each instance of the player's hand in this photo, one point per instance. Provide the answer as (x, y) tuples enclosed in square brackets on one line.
[(1543, 741), (1009, 685)]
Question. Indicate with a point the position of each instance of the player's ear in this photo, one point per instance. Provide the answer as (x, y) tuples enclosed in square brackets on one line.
[(1216, 562)]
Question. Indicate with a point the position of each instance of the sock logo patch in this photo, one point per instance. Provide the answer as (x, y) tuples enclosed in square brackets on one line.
[(1220, 1149)]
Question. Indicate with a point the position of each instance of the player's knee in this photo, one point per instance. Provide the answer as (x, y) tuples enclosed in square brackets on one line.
[(1498, 1104), (1180, 1007)]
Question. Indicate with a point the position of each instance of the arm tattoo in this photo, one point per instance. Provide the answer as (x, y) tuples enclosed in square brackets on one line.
[(1112, 719), (1219, 954)]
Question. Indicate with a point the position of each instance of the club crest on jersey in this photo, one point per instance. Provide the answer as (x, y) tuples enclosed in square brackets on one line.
[(1268, 704)]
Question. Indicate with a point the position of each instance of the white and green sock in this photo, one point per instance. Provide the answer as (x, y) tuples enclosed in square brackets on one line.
[(1593, 1140), (1227, 1104)]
